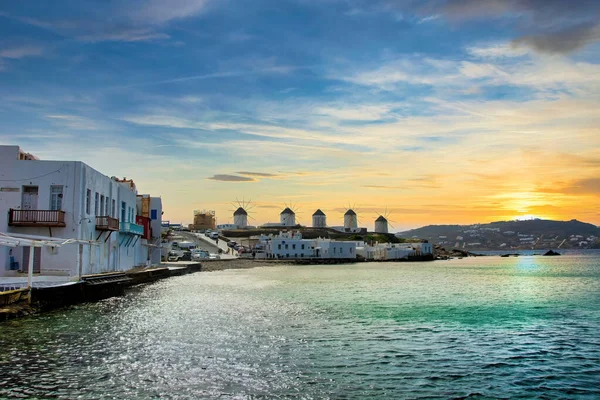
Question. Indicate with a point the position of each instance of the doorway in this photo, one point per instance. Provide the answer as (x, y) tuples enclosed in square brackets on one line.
[(37, 259)]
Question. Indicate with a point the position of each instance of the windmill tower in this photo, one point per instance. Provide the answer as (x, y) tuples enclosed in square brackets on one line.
[(381, 225), (287, 217), (319, 219), (240, 215), (240, 218), (350, 219), (382, 222)]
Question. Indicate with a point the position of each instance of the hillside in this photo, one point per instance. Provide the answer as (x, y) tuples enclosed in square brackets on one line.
[(529, 234)]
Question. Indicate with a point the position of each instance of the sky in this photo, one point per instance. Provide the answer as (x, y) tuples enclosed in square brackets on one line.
[(432, 112)]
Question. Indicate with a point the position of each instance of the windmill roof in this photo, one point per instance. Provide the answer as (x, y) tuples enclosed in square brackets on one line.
[(319, 212), (381, 219), (350, 212), (288, 211), (240, 211)]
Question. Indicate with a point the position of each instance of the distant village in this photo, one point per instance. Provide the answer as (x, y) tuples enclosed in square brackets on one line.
[(63, 220)]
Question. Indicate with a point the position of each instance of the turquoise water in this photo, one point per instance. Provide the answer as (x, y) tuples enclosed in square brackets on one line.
[(478, 327)]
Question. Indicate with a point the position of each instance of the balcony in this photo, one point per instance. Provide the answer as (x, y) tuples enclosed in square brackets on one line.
[(131, 228), (107, 224), (42, 218)]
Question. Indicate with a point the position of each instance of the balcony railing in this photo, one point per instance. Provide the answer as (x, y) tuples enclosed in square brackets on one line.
[(131, 228), (106, 223), (45, 218)]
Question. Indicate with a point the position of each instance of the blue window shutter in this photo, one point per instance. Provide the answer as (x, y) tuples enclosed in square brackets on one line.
[(154, 214)]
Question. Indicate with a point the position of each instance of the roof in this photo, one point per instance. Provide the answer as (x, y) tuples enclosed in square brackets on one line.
[(319, 212), (287, 211), (381, 219), (240, 211), (350, 212)]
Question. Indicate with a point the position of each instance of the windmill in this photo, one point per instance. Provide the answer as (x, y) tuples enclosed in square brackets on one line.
[(382, 222), (288, 216), (240, 212), (319, 219), (351, 218)]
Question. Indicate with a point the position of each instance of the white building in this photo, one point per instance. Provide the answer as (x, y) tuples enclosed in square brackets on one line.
[(327, 248), (149, 210), (292, 245), (319, 219), (240, 218), (288, 245), (287, 217), (70, 200), (350, 220), (381, 225)]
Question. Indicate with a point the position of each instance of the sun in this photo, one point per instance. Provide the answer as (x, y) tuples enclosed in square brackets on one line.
[(527, 217)]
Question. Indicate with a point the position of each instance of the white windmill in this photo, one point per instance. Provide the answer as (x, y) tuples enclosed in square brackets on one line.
[(350, 218), (319, 219), (382, 222), (240, 214), (288, 216)]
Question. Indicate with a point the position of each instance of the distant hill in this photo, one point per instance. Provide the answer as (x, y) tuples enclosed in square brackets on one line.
[(528, 234)]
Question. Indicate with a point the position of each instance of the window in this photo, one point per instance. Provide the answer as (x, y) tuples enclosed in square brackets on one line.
[(56, 195), (296, 255), (114, 209), (334, 250), (302, 247), (106, 212), (279, 247), (88, 201), (123, 212), (286, 246), (293, 246), (153, 214), (102, 204), (96, 203)]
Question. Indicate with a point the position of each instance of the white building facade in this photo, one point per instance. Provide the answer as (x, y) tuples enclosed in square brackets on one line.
[(70, 200), (292, 245)]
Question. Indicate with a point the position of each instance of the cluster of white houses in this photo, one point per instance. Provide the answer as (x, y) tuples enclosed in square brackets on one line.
[(116, 228), (291, 245)]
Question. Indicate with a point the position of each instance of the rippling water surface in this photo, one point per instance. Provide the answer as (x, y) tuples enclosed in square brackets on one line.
[(479, 327)]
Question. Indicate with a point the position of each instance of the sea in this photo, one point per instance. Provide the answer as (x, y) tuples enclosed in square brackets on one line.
[(477, 328)]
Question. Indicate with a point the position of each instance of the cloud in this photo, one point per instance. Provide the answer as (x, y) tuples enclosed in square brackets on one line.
[(555, 26), (161, 12), (123, 35), (383, 187), (131, 21), (564, 41), (590, 186), (261, 174), (21, 52), (231, 178)]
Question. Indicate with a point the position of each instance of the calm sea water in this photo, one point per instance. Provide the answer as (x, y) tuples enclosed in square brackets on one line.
[(478, 327)]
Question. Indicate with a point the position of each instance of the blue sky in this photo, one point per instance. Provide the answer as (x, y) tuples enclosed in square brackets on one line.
[(441, 111)]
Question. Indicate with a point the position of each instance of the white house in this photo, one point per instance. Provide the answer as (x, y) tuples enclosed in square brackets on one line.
[(288, 245), (292, 245), (70, 200), (327, 248)]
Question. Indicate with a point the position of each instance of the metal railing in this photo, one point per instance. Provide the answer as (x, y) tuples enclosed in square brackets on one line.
[(106, 223), (130, 227), (36, 218)]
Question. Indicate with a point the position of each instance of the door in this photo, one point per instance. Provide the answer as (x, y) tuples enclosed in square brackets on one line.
[(37, 259), (29, 202)]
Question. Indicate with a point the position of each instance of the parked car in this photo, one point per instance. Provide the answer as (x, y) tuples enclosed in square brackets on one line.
[(214, 235), (199, 254), (178, 255), (214, 256), (231, 244)]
